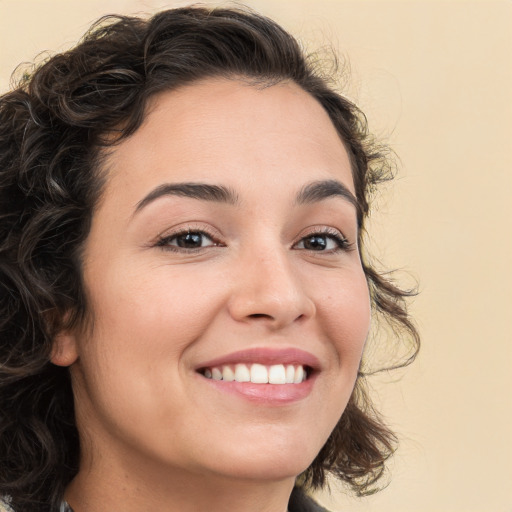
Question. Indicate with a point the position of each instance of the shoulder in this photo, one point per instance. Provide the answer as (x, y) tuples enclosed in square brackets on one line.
[(301, 502)]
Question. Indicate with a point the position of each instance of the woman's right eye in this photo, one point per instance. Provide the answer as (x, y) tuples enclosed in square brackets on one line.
[(187, 240)]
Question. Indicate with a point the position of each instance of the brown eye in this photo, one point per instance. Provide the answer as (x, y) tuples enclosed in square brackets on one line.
[(315, 243), (187, 240), (327, 242), (190, 240)]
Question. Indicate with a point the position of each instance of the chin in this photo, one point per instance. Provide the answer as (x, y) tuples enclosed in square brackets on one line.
[(270, 470), (268, 460)]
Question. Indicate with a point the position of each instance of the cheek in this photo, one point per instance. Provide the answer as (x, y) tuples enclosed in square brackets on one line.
[(345, 314), (145, 322), (144, 308)]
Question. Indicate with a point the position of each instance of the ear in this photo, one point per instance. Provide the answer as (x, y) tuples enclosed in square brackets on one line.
[(64, 349)]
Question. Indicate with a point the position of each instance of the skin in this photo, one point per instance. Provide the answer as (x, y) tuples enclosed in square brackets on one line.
[(155, 434)]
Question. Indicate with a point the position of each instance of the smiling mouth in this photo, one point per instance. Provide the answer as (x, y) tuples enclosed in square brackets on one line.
[(258, 373)]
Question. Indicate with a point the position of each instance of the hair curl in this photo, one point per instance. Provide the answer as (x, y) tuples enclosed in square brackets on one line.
[(54, 128)]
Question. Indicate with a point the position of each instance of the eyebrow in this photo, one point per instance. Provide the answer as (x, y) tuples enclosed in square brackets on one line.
[(311, 193), (202, 191), (320, 190)]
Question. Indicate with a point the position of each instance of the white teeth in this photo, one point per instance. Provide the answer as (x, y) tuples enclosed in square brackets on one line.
[(228, 374), (258, 373), (277, 374), (242, 373), (299, 375)]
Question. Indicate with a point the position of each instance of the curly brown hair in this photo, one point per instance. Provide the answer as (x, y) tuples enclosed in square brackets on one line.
[(55, 127)]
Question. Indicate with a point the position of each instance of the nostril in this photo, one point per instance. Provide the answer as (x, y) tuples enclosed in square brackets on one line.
[(259, 315)]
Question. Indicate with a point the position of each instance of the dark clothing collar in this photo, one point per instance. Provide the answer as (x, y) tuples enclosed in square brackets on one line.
[(300, 502)]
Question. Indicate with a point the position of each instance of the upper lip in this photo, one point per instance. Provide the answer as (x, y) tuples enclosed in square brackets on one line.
[(266, 356)]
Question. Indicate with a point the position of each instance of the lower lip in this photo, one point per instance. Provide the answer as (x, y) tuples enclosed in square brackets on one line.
[(269, 394)]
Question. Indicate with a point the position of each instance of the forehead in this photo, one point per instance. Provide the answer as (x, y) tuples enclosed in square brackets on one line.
[(234, 132)]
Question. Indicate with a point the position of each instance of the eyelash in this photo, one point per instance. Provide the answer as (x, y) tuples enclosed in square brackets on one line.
[(339, 239), (164, 241)]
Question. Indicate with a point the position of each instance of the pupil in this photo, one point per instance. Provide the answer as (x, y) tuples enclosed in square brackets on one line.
[(316, 243), (190, 240)]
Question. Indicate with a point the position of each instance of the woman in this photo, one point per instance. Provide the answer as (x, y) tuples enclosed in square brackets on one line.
[(185, 299)]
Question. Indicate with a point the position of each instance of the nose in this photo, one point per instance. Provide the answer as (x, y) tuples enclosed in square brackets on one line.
[(269, 289)]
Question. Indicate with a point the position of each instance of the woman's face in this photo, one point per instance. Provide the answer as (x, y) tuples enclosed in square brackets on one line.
[(225, 244)]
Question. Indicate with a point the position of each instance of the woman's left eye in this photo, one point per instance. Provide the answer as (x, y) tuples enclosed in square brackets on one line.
[(325, 242), (187, 240)]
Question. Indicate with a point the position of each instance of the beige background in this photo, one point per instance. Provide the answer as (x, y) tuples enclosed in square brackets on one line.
[(435, 78)]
